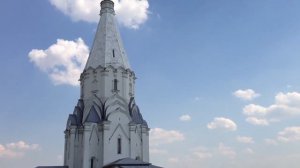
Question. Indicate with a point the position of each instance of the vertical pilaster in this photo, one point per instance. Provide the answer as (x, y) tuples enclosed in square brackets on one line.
[(105, 141), (145, 143), (132, 152), (86, 145), (72, 146), (66, 147)]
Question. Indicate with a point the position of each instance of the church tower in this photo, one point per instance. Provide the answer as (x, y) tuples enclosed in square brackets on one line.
[(106, 127)]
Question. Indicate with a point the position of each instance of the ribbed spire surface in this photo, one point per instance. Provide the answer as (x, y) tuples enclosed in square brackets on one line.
[(107, 48)]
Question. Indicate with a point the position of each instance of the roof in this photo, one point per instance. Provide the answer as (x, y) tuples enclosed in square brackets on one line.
[(135, 113), (150, 166), (93, 116), (130, 163), (107, 48), (52, 167)]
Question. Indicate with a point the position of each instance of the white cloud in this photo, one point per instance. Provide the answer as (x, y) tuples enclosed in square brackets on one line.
[(185, 118), (289, 134), (202, 153), (16, 150), (159, 136), (21, 145), (63, 61), (257, 121), (286, 104), (255, 110), (247, 94), (7, 153), (245, 139), (224, 123), (226, 151), (130, 13)]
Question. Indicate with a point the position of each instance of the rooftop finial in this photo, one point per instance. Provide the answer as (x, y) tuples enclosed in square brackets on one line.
[(107, 6)]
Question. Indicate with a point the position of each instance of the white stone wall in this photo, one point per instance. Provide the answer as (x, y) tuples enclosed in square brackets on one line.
[(99, 141), (100, 81), (118, 129), (107, 62)]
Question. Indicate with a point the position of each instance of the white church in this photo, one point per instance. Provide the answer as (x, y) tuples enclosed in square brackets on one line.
[(106, 129)]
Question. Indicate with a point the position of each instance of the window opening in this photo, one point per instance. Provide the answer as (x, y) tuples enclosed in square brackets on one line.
[(115, 84), (113, 53), (119, 146), (92, 163), (130, 88)]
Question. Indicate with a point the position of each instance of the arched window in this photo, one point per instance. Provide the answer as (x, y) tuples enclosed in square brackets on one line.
[(115, 84), (119, 145)]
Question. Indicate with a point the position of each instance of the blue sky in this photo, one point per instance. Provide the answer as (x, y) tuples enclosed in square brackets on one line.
[(218, 80)]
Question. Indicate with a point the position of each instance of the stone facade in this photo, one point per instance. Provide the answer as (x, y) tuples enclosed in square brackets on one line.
[(106, 124)]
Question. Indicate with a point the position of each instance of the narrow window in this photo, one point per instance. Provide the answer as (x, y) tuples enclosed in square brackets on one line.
[(130, 88), (119, 146), (92, 163), (115, 84), (113, 53), (81, 91)]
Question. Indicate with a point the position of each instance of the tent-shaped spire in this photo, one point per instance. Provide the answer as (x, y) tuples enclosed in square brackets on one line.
[(107, 48)]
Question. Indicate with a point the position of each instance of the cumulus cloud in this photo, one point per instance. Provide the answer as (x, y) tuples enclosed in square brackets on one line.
[(255, 110), (15, 150), (62, 61), (247, 94), (245, 139), (286, 104), (185, 118), (223, 123), (257, 121), (289, 102), (226, 151), (159, 136), (289, 134), (130, 13)]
